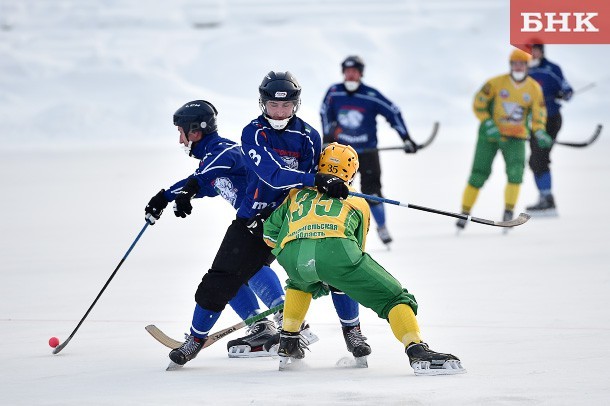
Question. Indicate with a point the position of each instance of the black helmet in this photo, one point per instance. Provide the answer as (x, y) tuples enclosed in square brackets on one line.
[(196, 115), (353, 61), (279, 86)]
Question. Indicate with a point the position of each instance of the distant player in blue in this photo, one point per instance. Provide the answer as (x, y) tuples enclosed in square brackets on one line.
[(349, 113), (286, 151), (221, 172), (554, 87)]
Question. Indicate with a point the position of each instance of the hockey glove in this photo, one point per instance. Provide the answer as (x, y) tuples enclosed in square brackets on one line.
[(544, 140), (565, 96), (255, 224), (155, 207), (331, 185), (182, 204), (409, 147), (489, 129)]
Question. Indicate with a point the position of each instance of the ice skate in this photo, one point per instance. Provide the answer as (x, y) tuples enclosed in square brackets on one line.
[(507, 216), (544, 208), (461, 223), (252, 344), (186, 352), (384, 235), (357, 345), (424, 361), (290, 349), (307, 336)]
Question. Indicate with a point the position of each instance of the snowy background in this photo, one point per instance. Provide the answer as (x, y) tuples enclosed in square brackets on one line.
[(87, 92)]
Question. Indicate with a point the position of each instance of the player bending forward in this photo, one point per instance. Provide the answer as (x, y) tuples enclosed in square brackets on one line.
[(320, 241)]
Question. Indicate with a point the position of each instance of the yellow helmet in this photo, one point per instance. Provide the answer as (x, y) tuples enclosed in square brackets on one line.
[(339, 160), (519, 56)]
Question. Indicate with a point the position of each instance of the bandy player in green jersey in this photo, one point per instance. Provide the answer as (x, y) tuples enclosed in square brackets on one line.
[(320, 241)]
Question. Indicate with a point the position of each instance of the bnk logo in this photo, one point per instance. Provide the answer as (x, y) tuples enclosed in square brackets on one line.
[(559, 22)]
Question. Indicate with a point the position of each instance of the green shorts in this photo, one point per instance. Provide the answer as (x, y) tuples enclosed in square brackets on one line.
[(312, 265)]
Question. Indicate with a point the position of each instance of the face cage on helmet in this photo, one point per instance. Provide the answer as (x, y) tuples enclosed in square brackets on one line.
[(262, 102)]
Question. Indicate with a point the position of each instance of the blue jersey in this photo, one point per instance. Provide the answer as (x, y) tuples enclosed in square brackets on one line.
[(350, 118), (277, 161), (221, 171), (553, 84)]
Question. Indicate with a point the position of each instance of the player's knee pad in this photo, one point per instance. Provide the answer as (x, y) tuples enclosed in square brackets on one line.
[(477, 178), (216, 289), (515, 175)]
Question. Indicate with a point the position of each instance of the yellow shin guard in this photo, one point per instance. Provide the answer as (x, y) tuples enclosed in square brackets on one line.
[(404, 324), (295, 309), (511, 194), (469, 198)]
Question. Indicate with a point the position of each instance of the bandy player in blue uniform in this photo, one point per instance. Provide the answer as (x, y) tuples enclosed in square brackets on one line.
[(281, 152), (221, 172), (349, 111), (554, 87)]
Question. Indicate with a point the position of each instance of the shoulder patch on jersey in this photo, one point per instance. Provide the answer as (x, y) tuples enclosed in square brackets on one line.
[(504, 93), (526, 97)]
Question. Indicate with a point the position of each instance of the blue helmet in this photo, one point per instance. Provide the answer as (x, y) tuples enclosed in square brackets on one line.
[(197, 115)]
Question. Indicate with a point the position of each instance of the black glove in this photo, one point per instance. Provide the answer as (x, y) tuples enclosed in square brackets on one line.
[(331, 185), (182, 204), (255, 223), (155, 207), (409, 146)]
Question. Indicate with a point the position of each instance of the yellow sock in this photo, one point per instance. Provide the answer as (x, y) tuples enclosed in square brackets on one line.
[(404, 324), (295, 309), (511, 194), (469, 197)]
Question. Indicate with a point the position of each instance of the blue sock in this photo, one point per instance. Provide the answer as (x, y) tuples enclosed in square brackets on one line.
[(203, 321), (543, 182), (347, 309), (244, 303), (267, 287), (379, 214)]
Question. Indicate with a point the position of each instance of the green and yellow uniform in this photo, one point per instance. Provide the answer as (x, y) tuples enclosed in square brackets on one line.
[(507, 107), (320, 241)]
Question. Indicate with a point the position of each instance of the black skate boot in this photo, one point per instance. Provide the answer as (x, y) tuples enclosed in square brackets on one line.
[(384, 235), (424, 361), (544, 208), (461, 223), (507, 216), (356, 344), (251, 345), (307, 337), (290, 349), (186, 352)]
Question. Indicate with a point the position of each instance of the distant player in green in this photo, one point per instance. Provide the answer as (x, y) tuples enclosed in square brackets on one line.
[(320, 241)]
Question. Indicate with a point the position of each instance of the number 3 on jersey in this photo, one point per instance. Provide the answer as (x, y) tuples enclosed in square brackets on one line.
[(255, 157)]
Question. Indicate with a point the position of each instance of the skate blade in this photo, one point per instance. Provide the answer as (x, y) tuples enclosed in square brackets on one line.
[(353, 362), (450, 367), (543, 213), (244, 351), (173, 366), (289, 363)]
